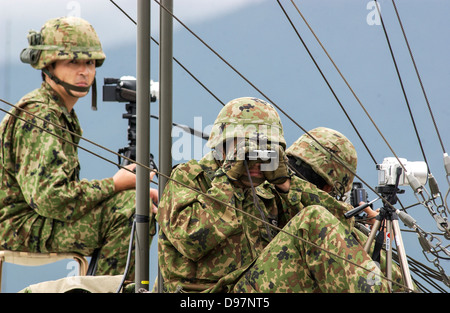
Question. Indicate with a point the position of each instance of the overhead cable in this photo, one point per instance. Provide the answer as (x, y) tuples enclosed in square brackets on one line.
[(418, 76), (401, 84), (348, 85)]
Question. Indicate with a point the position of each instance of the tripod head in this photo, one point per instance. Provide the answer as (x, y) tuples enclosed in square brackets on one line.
[(389, 192), (124, 90)]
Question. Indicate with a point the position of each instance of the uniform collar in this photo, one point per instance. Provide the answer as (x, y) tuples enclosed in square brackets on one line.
[(60, 107)]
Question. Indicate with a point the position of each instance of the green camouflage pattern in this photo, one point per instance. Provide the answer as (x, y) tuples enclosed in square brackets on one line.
[(247, 118), (44, 206), (289, 264), (207, 246), (67, 38), (334, 172)]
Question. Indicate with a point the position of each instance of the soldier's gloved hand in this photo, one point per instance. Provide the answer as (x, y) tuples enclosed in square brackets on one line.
[(234, 165), (276, 172), (233, 169)]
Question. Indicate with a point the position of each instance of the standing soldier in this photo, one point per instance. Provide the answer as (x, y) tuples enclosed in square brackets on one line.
[(214, 217), (44, 206)]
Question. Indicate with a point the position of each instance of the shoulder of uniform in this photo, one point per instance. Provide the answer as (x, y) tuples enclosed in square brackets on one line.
[(38, 102), (300, 184), (31, 99), (190, 169)]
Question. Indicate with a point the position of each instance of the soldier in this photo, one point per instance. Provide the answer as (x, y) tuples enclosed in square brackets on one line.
[(214, 216), (329, 162), (44, 206)]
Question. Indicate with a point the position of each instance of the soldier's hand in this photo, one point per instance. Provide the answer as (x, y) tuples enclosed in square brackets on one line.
[(125, 179), (371, 214), (234, 165), (154, 195), (154, 198), (276, 173), (233, 169)]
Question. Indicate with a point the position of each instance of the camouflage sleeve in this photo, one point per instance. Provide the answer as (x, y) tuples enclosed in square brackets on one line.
[(193, 222), (47, 172), (309, 194)]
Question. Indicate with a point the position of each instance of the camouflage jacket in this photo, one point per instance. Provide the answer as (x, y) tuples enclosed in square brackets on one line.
[(205, 245), (39, 173)]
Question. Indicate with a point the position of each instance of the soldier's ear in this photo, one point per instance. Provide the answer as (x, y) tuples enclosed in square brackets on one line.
[(48, 67)]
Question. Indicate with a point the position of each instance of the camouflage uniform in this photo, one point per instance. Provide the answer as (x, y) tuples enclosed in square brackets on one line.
[(207, 246), (44, 206), (333, 157)]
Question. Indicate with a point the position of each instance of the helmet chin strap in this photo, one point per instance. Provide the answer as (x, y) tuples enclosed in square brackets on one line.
[(69, 87)]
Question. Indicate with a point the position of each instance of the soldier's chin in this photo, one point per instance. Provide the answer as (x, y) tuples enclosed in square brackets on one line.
[(256, 181), (79, 94)]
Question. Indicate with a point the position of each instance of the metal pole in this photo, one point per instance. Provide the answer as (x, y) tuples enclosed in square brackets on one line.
[(165, 101), (142, 144)]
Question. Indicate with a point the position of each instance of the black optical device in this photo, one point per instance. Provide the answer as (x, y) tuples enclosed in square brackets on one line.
[(357, 194), (124, 90)]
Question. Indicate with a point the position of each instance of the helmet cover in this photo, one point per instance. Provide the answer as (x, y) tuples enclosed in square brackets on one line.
[(63, 38), (322, 162)]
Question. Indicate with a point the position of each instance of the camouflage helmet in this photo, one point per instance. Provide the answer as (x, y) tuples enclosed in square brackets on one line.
[(326, 166), (247, 118), (63, 38)]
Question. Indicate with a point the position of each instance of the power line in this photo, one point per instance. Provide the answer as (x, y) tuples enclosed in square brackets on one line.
[(326, 80), (348, 85), (175, 59), (418, 75), (401, 83)]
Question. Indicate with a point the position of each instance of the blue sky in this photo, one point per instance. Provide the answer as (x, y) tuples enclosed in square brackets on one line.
[(256, 38)]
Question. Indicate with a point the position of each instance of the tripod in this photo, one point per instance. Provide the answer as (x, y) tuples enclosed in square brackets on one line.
[(389, 215)]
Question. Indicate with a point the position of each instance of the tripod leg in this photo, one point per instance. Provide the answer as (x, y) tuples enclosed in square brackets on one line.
[(389, 252), (402, 256), (372, 235)]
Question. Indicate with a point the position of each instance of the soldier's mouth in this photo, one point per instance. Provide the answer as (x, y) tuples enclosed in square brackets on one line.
[(256, 173), (82, 84)]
